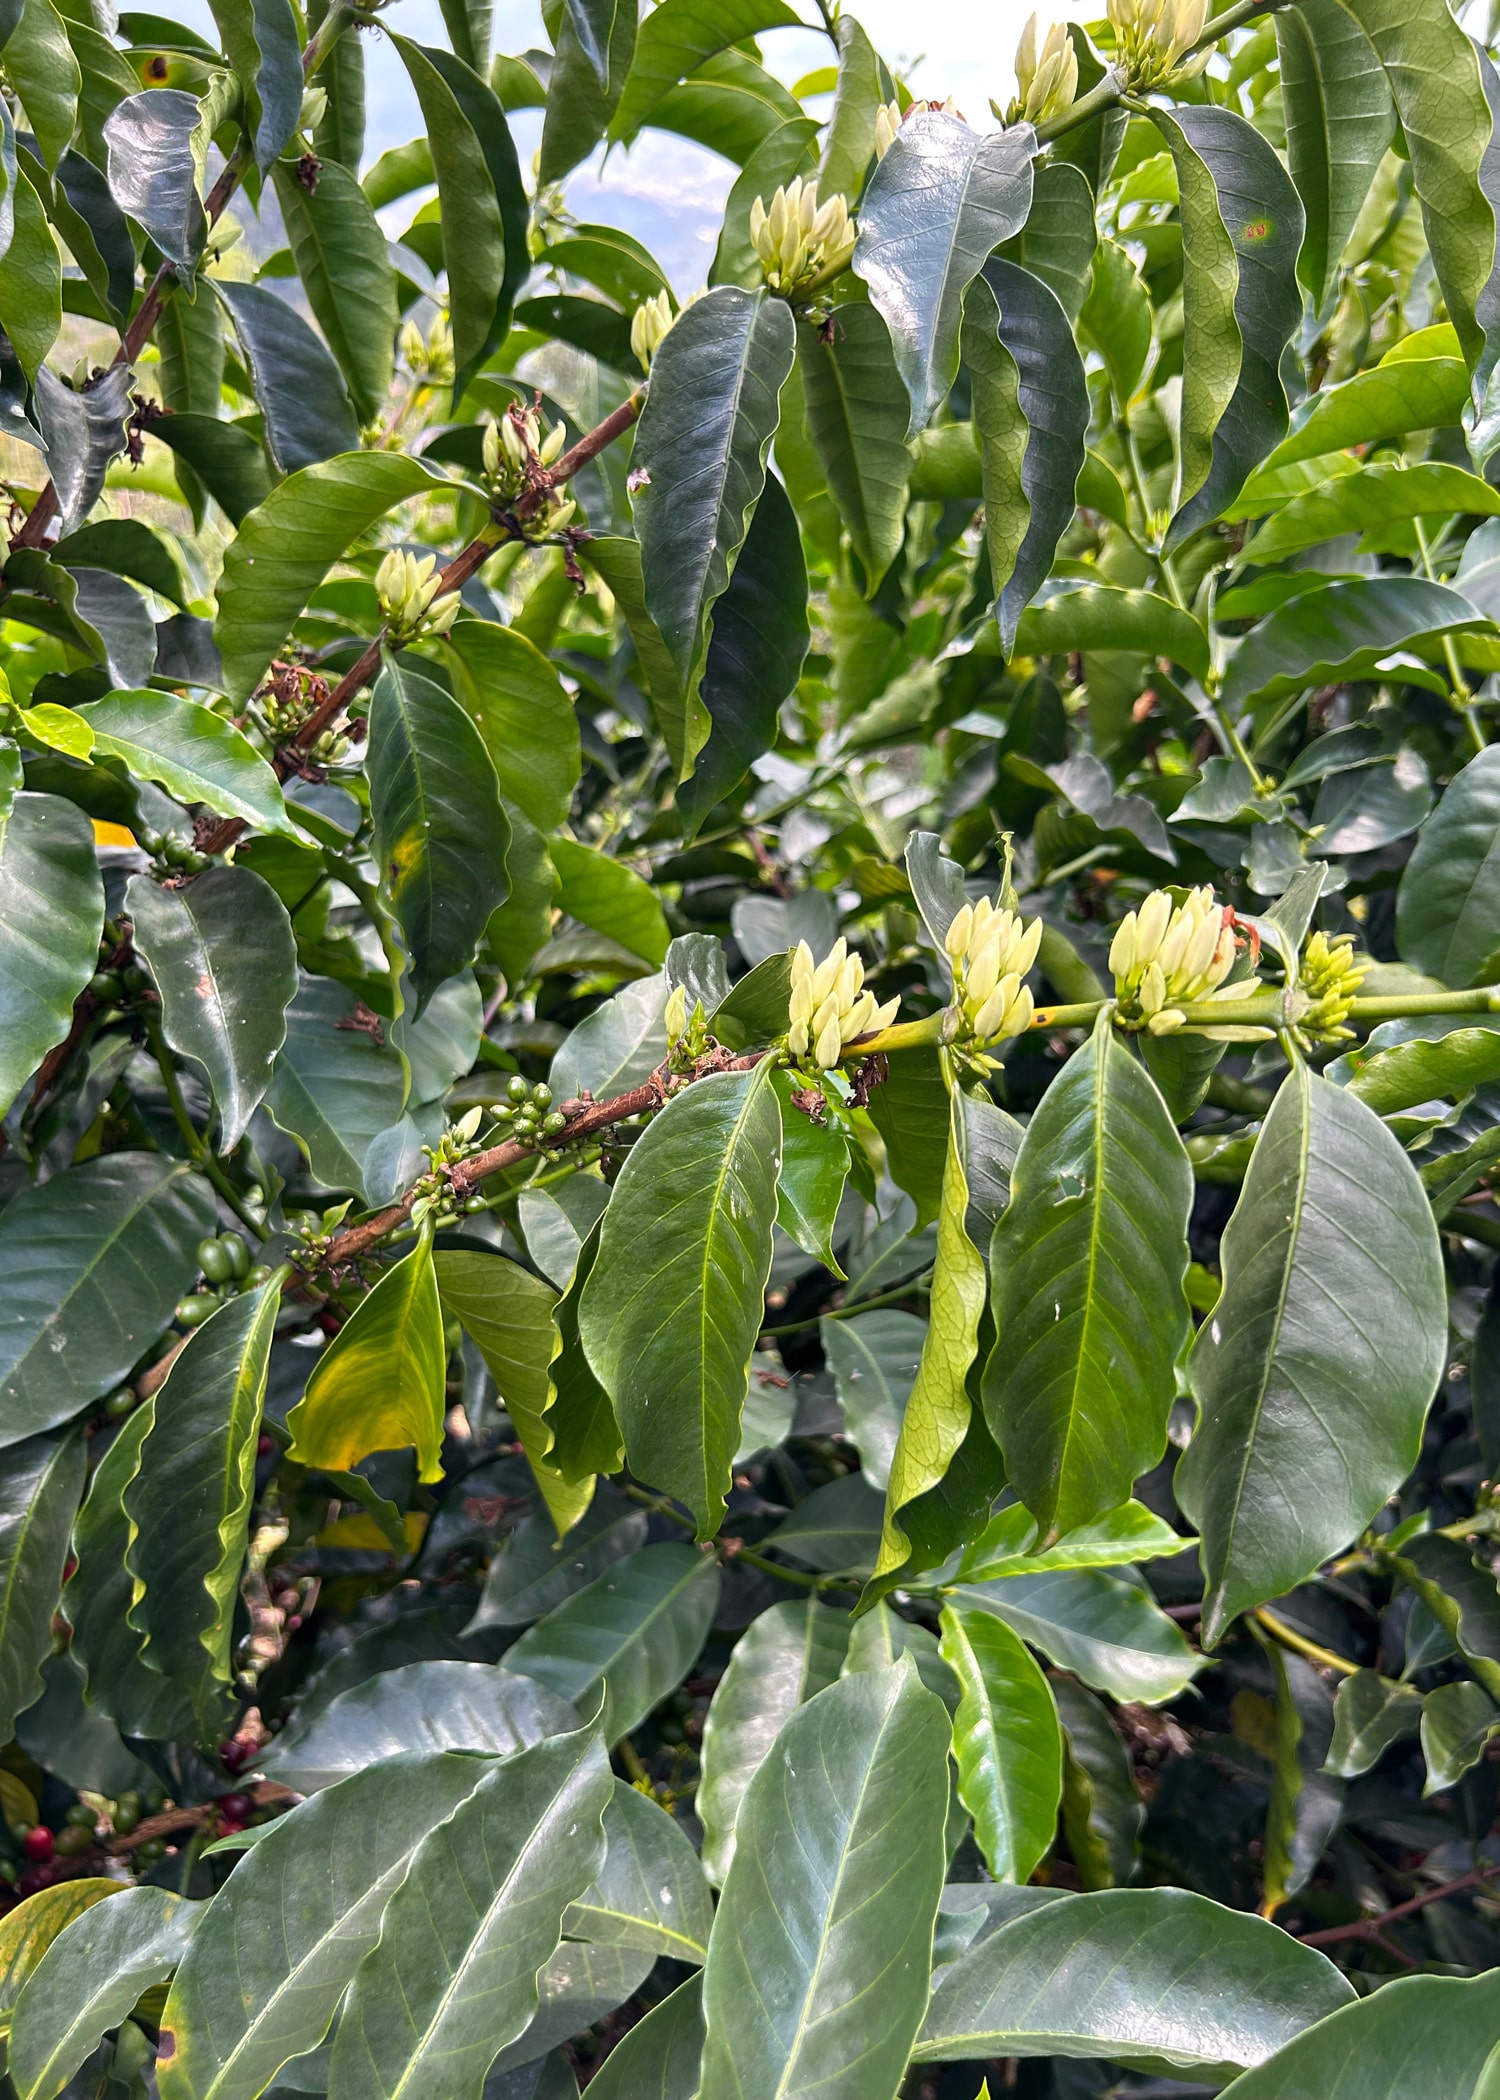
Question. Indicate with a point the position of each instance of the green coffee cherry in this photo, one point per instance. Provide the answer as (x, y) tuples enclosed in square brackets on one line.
[(154, 1800), (213, 1260), (81, 1815), (553, 1123), (153, 1850), (238, 1252), (257, 1276), (517, 1088), (193, 1311), (127, 1813), (73, 1840), (542, 1095), (107, 985), (120, 1404)]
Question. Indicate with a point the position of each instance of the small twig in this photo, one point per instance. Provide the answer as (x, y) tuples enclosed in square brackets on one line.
[(172, 1822), (1289, 1637), (1374, 1928)]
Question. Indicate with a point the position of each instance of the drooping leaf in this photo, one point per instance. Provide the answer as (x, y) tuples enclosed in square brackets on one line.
[(1370, 1712), (286, 546), (1145, 1976), (1338, 125), (856, 416), (611, 897), (82, 431), (1461, 1595), (1102, 1812), (1458, 1720), (835, 1529), (1070, 614), (860, 89), (814, 1167), (578, 108), (39, 1491), (309, 1898), (225, 962), (702, 441), (1370, 501), (940, 202), (378, 1386), (42, 69), (334, 1086), (1401, 393), (306, 406), (154, 171), (651, 1890), (261, 42), (1088, 1264), (658, 2058), (94, 1261), (509, 1315), (1306, 1798), (189, 1503), (908, 1109), (786, 1656), (194, 753), (536, 1570), (524, 714), (1009, 1543), (31, 281), (1006, 1741), (1314, 1372), (48, 871), (346, 270), (440, 833), (816, 1979), (1242, 231), (89, 1980), (453, 1977), (874, 1358), (670, 1336), (1449, 901), (1107, 1631), (426, 1706), (631, 1635), (937, 1413)]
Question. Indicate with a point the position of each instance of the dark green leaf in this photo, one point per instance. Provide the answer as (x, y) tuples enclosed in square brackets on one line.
[(426, 1706), (30, 282), (1141, 1976), (1341, 630), (1461, 1594), (261, 42), (1058, 241), (228, 461), (632, 1635), (1306, 1798), (658, 2058), (1088, 1264), (856, 416), (908, 1109), (82, 433), (816, 1978), (154, 170), (676, 39), (346, 271), (578, 109), (41, 68), (1101, 1810), (225, 962), (440, 833), (39, 1494), (863, 85), (874, 1359), (194, 753), (671, 1311), (609, 896), (1314, 1372), (93, 1260), (1075, 615), (1401, 394), (1415, 2037), (835, 1529), (786, 1656), (1448, 905), (334, 1088), (814, 1167), (535, 1570), (100, 1592), (1104, 1629), (47, 869), (308, 417), (1008, 1543), (788, 151), (1338, 125), (1006, 1741), (651, 1890), (1370, 1712)]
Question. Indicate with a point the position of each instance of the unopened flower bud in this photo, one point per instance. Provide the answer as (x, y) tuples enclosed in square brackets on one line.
[(675, 1017), (1330, 975), (796, 238), (991, 950), (1167, 955), (829, 1008), (887, 124)]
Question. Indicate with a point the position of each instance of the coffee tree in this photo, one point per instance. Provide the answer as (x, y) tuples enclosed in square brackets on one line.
[(749, 1339)]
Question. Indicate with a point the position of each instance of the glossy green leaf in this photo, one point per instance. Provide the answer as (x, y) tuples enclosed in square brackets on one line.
[(260, 41), (82, 432), (1102, 1812), (309, 1898), (440, 833), (1116, 318), (1447, 905), (483, 216), (1314, 1372), (676, 39), (1006, 1740), (1342, 630), (308, 417), (189, 1503), (1306, 1797), (426, 1706), (755, 654), (1389, 400), (786, 1656), (89, 1980), (702, 441), (1058, 241), (940, 202), (816, 1979), (154, 170), (1461, 1595), (1008, 1544), (41, 67), (1370, 1712), (1458, 1720), (1368, 502), (48, 871), (874, 1358), (523, 712), (94, 1261), (814, 1167), (1242, 231), (908, 1109), (650, 1890), (658, 2058), (39, 1495), (937, 1412), (347, 274), (1405, 1063), (611, 897), (31, 281), (508, 1312), (225, 962), (454, 1975), (1338, 125), (856, 417), (1106, 1630), (1415, 2037), (586, 1435), (670, 1336), (535, 1570), (287, 545), (334, 1087), (30, 1929), (1088, 1264), (860, 89), (379, 1384), (632, 1635), (1140, 1976), (1086, 616), (578, 109), (834, 1529), (194, 753)]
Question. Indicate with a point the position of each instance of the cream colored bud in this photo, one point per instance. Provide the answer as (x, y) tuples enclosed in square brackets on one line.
[(442, 613), (887, 124), (553, 443), (652, 323), (857, 1020), (314, 108), (1123, 949), (1151, 924), (884, 1015), (491, 451), (803, 965), (982, 975), (826, 974), (798, 1039), (829, 1047), (675, 1017), (1026, 55), (561, 515), (1152, 995), (826, 1014), (1164, 1022), (956, 939)]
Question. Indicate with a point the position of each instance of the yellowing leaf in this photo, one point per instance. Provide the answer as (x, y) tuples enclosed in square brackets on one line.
[(361, 1534), (378, 1386), (33, 1925)]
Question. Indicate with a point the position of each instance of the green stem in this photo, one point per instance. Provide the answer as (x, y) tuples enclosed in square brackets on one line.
[(1299, 1644), (1112, 87), (737, 1550), (1482, 999), (849, 1312), (199, 1149)]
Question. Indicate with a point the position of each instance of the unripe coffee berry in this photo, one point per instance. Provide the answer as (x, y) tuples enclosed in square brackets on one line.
[(80, 1815), (120, 1404), (237, 1251), (213, 1260), (73, 1841)]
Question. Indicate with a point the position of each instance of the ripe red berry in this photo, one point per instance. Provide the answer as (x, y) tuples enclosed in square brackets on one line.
[(37, 1843), (264, 1446), (36, 1878), (236, 1808), (233, 1754)]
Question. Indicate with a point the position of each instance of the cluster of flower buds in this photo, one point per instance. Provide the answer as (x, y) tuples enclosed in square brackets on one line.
[(649, 328), (407, 587), (1330, 976), (798, 238), (430, 356), (1046, 79), (992, 951), (1154, 37), (1169, 955), (518, 452), (688, 1038), (830, 1008)]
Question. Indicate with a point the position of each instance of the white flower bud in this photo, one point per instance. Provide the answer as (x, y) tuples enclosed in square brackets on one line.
[(887, 124), (651, 323)]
